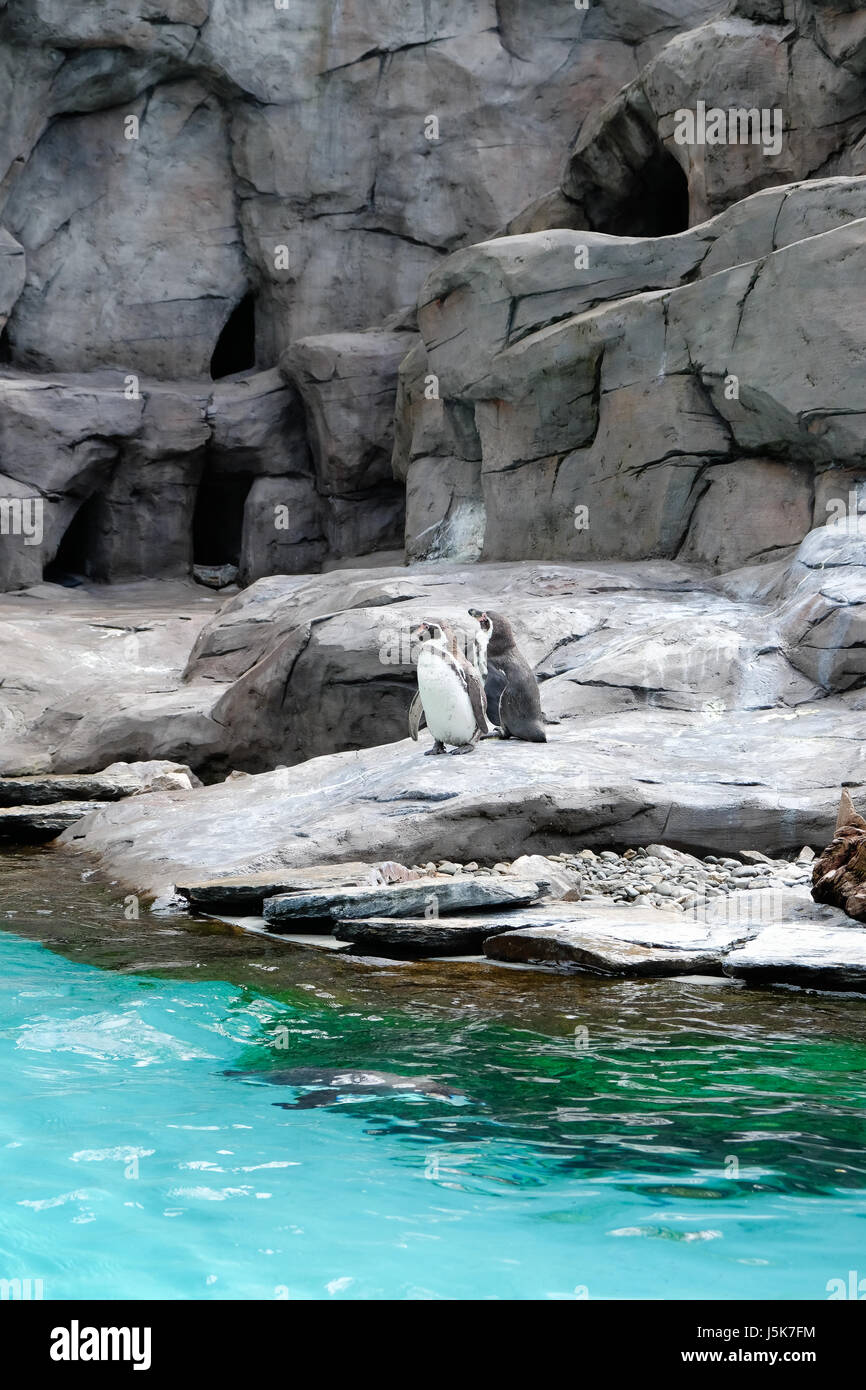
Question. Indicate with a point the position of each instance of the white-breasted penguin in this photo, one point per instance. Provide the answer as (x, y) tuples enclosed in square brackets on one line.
[(510, 687), (450, 690)]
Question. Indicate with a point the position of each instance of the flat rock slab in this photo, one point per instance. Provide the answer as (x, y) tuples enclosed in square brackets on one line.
[(257, 926), (609, 940), (582, 949), (399, 937), (30, 823), (247, 892), (415, 899), (508, 798), (113, 783), (48, 790), (640, 926), (794, 954)]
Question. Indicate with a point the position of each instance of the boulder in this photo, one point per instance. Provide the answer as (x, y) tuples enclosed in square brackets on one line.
[(639, 164), (708, 782), (282, 528), (554, 880), (347, 382), (822, 608)]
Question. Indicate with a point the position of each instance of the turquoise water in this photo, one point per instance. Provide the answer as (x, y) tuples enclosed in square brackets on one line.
[(567, 1163)]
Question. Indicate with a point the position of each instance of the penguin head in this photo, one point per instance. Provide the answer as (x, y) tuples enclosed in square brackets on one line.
[(497, 629), (482, 619), (430, 630)]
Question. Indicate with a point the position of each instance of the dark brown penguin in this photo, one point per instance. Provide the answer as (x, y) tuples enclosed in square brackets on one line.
[(513, 701)]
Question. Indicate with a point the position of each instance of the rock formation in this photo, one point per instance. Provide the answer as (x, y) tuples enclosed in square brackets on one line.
[(210, 191), (839, 874), (697, 396), (575, 293), (188, 191), (299, 666)]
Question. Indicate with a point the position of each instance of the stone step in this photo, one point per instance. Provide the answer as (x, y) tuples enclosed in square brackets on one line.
[(247, 892), (583, 950), (813, 956), (401, 937), (424, 896)]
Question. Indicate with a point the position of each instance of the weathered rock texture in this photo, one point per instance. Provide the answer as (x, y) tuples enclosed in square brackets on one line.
[(211, 187), (803, 60), (697, 396), (261, 127), (665, 657), (38, 808), (420, 898), (684, 717), (700, 782)]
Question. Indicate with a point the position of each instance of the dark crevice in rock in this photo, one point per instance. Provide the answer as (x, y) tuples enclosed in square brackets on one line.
[(410, 240), (657, 204), (383, 54), (74, 556), (235, 349), (218, 519)]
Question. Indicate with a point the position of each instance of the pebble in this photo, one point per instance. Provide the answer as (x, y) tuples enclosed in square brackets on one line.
[(659, 876)]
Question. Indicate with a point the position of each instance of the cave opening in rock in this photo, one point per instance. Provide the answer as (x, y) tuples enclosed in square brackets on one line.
[(658, 204), (218, 520), (235, 350), (5, 347), (74, 557)]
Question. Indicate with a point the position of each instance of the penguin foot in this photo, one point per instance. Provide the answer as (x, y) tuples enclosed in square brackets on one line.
[(435, 750), (466, 748), (494, 733)]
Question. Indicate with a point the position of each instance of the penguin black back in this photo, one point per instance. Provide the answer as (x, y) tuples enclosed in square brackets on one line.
[(513, 699)]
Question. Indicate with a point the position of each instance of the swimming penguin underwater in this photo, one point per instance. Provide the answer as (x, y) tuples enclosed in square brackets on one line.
[(450, 692), (510, 687), (325, 1085)]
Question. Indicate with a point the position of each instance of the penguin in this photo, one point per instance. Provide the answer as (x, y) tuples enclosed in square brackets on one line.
[(510, 687), (450, 692), (325, 1085)]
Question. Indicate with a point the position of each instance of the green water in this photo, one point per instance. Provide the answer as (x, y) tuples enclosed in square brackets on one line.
[(617, 1139)]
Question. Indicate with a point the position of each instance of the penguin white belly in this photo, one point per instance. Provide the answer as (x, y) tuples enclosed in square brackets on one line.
[(446, 702)]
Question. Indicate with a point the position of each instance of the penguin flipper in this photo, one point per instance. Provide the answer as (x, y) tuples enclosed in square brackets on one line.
[(477, 698), (417, 717), (494, 685), (517, 724)]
